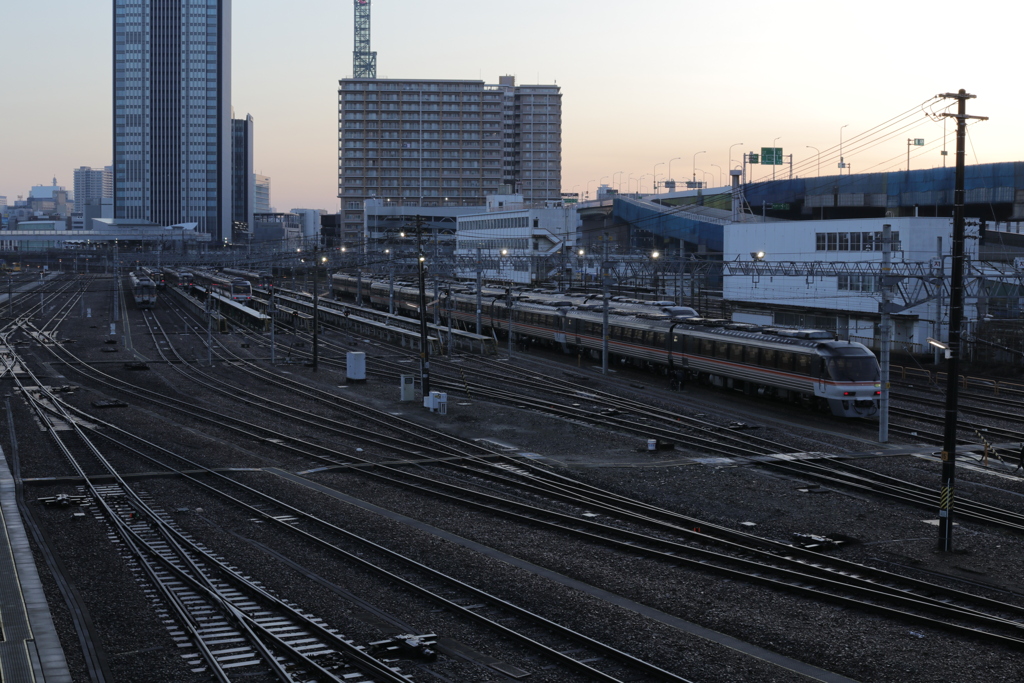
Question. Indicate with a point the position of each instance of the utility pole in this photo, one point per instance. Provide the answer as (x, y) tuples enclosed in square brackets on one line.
[(272, 310), (956, 314), (437, 286), (508, 302), (479, 286), (316, 306), (885, 333), (424, 351), (606, 283)]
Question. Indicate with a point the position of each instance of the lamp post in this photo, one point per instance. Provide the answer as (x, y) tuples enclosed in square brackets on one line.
[(842, 162), (618, 186), (695, 164), (655, 255), (588, 187), (819, 158), (629, 183), (719, 174), (655, 175), (670, 166), (735, 144)]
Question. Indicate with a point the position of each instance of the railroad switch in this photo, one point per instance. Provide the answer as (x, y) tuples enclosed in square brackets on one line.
[(406, 647), (64, 500), (136, 365), (810, 542)]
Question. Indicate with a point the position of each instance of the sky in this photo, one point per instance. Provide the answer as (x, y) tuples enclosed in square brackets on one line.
[(645, 84)]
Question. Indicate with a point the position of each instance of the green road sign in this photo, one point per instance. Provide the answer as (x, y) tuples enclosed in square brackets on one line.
[(754, 158), (919, 142), (771, 156), (780, 207)]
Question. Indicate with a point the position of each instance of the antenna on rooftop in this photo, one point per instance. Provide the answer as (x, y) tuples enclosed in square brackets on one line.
[(364, 62)]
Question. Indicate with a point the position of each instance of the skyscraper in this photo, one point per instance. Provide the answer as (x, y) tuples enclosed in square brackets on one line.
[(172, 115), (446, 142), (243, 182)]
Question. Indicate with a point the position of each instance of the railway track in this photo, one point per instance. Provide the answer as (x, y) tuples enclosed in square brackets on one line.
[(845, 586), (236, 626)]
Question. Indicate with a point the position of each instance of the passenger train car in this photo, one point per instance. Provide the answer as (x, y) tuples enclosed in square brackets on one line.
[(805, 366), (177, 278), (256, 279), (143, 289), (234, 288)]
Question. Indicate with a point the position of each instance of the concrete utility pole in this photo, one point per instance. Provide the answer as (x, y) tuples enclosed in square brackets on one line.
[(885, 333), (316, 306), (479, 286), (424, 351), (273, 315), (956, 314)]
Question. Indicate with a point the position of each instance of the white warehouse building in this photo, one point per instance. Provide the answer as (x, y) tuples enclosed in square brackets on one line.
[(847, 303)]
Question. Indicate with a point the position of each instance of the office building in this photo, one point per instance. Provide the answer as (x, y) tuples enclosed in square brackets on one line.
[(445, 143), (92, 183), (310, 219), (172, 115), (261, 198), (243, 182)]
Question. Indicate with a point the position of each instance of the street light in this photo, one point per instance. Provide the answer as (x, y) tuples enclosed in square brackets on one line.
[(819, 157), (736, 144), (588, 187), (947, 352), (670, 167), (719, 174), (655, 176), (842, 162), (695, 164), (757, 255)]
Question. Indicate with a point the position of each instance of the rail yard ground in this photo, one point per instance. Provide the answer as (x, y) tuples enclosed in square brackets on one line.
[(557, 513)]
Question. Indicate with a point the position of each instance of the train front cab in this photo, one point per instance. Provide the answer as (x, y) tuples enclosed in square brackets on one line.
[(849, 380)]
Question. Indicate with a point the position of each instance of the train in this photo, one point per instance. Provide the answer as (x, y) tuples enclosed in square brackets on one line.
[(234, 288), (143, 289), (256, 279), (177, 278), (810, 367)]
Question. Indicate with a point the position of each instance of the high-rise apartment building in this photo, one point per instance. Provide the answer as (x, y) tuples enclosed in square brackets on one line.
[(172, 116), (92, 183), (445, 143)]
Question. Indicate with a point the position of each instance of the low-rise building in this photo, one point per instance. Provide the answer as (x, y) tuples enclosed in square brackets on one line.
[(845, 297), (513, 242)]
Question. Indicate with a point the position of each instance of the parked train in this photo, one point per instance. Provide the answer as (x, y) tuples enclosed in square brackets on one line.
[(177, 278), (256, 279), (143, 289), (234, 288), (806, 366)]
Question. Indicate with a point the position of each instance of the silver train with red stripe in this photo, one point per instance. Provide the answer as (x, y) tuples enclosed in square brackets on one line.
[(803, 366)]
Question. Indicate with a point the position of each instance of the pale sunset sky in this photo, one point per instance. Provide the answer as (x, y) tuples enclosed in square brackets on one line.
[(643, 82)]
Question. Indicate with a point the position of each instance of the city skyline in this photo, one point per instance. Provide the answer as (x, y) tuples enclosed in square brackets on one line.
[(642, 87)]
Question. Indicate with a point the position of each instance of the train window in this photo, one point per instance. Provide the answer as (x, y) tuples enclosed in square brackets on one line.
[(768, 357), (660, 339), (721, 349), (785, 360), (736, 352), (803, 364), (707, 347), (750, 355)]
